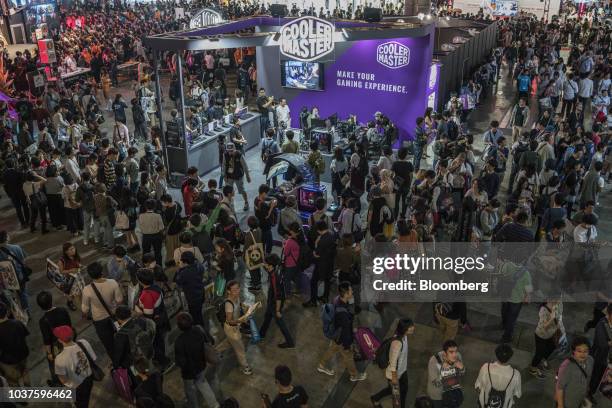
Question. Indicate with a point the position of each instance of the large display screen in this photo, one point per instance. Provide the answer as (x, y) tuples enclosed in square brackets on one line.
[(302, 75)]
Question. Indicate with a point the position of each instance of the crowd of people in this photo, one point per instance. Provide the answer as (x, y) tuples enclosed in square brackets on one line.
[(62, 170)]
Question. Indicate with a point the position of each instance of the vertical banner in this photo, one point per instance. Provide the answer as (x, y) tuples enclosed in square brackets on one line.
[(46, 50)]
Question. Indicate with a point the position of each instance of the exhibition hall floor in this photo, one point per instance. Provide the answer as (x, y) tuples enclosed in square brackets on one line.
[(476, 346)]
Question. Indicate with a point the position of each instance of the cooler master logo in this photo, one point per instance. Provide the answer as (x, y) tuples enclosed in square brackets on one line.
[(393, 55), (307, 39)]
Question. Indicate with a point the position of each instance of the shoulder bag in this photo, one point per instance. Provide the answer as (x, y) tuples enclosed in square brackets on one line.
[(96, 372), (105, 306)]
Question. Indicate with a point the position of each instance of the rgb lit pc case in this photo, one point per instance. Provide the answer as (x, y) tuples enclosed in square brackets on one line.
[(307, 195)]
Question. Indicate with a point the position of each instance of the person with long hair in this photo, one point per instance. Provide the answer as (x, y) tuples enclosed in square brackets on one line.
[(224, 257), (339, 167), (70, 264)]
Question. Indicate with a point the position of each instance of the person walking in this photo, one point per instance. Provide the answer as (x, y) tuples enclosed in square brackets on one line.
[(549, 329), (190, 278), (396, 372), (100, 298), (445, 370), (190, 355), (73, 365), (343, 324), (498, 383), (133, 340), (276, 301), (519, 119)]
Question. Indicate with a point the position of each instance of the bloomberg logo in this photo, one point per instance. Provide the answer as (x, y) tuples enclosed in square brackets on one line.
[(393, 55), (307, 39)]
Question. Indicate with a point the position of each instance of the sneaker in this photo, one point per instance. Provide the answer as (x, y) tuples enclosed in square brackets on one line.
[(247, 371), (246, 207), (85, 242), (536, 373), (544, 365), (359, 377), (286, 346), (326, 371)]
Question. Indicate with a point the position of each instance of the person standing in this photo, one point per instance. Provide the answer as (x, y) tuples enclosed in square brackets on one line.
[(100, 298), (499, 383), (152, 226), (52, 317), (171, 214), (324, 253), (73, 365), (14, 356), (403, 170), (85, 196), (16, 254), (396, 372), (570, 91), (574, 375), (519, 119), (445, 370), (190, 356), (31, 188), (104, 206), (234, 170), (150, 304), (602, 349), (420, 142), (276, 301), (343, 324), (190, 278), (133, 340), (13, 180)]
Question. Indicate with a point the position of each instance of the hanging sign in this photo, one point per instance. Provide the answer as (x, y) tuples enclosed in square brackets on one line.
[(205, 18), (307, 39)]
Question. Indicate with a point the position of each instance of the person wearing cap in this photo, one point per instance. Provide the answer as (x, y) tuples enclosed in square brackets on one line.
[(234, 170), (190, 278), (72, 365)]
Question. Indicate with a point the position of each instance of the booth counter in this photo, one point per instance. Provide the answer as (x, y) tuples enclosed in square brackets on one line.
[(204, 152)]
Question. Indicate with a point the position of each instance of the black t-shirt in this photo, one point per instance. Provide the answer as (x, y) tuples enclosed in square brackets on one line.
[(403, 169), (261, 101), (53, 318), (13, 346), (295, 399)]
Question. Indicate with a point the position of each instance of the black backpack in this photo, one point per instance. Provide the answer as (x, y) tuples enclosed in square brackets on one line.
[(382, 354), (496, 398), (220, 310), (452, 130)]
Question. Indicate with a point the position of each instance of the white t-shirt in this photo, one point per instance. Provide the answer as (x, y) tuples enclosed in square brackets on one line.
[(585, 88), (581, 233), (501, 378), (72, 363), (282, 114)]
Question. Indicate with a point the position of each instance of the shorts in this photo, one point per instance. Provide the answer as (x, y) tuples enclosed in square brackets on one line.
[(239, 184)]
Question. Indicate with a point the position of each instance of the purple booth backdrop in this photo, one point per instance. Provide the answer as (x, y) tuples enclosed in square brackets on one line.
[(356, 83)]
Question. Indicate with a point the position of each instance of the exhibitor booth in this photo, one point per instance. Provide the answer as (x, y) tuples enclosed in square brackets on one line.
[(346, 69)]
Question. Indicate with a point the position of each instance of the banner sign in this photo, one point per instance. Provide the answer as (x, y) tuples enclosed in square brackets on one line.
[(205, 17), (307, 39), (46, 50)]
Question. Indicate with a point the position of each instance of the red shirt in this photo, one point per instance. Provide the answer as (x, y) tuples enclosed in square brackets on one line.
[(291, 252), (188, 198)]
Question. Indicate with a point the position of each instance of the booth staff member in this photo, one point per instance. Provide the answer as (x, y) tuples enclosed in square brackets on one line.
[(234, 170), (282, 114), (264, 105)]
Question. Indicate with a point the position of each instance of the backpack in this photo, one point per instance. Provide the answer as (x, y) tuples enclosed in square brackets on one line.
[(328, 317), (496, 398), (386, 215), (243, 78), (305, 259), (442, 308), (317, 163), (85, 196), (520, 149), (160, 316), (452, 130), (266, 149), (220, 310), (382, 354), (141, 342)]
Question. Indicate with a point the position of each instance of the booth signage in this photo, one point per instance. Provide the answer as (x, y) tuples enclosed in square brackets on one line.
[(205, 17), (307, 39), (393, 55)]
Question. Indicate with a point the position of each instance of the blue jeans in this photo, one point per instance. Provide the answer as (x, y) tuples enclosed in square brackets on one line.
[(88, 218), (192, 387), (104, 222)]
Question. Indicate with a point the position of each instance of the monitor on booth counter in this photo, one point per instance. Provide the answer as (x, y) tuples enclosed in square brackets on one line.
[(307, 198), (241, 113), (227, 119), (211, 126)]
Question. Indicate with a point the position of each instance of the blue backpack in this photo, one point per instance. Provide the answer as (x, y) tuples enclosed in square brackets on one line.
[(328, 314)]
